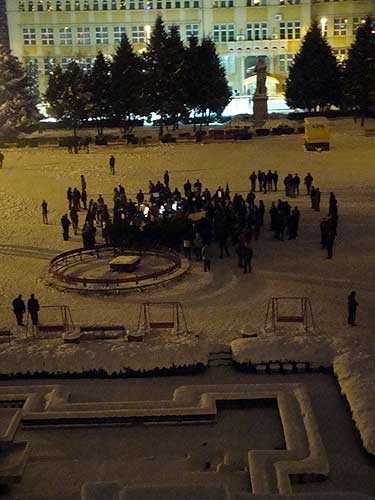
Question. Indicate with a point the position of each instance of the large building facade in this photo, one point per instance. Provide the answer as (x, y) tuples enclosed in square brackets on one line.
[(47, 32)]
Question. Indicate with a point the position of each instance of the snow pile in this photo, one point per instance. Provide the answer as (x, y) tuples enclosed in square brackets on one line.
[(112, 357), (355, 371), (283, 349)]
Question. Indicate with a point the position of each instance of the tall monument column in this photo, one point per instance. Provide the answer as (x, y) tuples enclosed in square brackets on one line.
[(260, 95), (4, 35)]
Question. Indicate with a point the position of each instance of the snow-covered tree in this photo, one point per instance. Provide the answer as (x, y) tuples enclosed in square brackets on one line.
[(18, 112)]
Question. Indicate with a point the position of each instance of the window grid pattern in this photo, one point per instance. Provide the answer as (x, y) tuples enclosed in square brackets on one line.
[(257, 31), (65, 36), (47, 36), (192, 30), (290, 30), (340, 26), (118, 33), (83, 36), (285, 62), (29, 36), (223, 33), (138, 34), (101, 35)]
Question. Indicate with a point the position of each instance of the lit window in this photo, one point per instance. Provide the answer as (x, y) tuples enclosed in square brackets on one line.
[(101, 35), (339, 26), (223, 32), (65, 35), (285, 62), (49, 63), (290, 30), (138, 34), (83, 36), (229, 64), (30, 6), (149, 5), (357, 21), (169, 28), (21, 6), (49, 6), (257, 31), (118, 34), (65, 61), (340, 54), (192, 30), (29, 36), (122, 5), (58, 5), (47, 36)]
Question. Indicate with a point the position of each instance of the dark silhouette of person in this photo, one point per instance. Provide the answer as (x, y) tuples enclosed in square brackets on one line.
[(33, 308), (352, 309), (112, 162), (45, 212), (65, 223), (19, 309)]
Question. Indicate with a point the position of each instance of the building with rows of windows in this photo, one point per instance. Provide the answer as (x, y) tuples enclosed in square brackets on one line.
[(45, 32)]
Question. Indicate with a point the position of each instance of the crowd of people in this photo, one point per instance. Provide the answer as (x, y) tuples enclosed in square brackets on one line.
[(194, 220)]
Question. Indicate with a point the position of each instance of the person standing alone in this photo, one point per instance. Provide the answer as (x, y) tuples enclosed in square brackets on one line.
[(112, 162), (352, 309), (45, 212)]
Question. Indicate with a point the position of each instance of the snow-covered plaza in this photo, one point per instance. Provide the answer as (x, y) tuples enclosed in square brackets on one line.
[(218, 306)]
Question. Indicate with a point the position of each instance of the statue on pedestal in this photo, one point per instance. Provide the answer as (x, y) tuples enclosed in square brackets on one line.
[(260, 95), (261, 72)]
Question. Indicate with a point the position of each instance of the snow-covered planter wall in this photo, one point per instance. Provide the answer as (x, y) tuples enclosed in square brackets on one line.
[(352, 358), (56, 358)]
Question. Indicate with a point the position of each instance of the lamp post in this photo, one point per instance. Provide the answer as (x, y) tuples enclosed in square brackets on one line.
[(323, 24)]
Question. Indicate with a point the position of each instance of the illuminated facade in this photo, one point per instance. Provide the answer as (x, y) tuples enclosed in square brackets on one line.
[(45, 32)]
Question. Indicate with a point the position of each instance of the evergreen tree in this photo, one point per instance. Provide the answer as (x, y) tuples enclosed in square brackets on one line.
[(100, 83), (18, 112), (359, 72), (177, 83), (127, 86), (314, 78), (160, 71), (207, 87), (68, 95)]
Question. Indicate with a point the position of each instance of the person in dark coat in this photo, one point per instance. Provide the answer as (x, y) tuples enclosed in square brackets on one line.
[(352, 309), (69, 197), (33, 308), (308, 182), (253, 179), (140, 197), (65, 223), (19, 309), (84, 199), (74, 219), (166, 179), (45, 212), (112, 162)]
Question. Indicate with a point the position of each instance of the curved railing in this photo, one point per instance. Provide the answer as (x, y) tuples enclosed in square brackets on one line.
[(64, 260)]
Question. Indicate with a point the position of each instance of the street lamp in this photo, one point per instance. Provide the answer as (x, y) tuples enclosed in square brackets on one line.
[(148, 32)]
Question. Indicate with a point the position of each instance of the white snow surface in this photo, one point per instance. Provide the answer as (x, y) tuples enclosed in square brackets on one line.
[(217, 304)]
